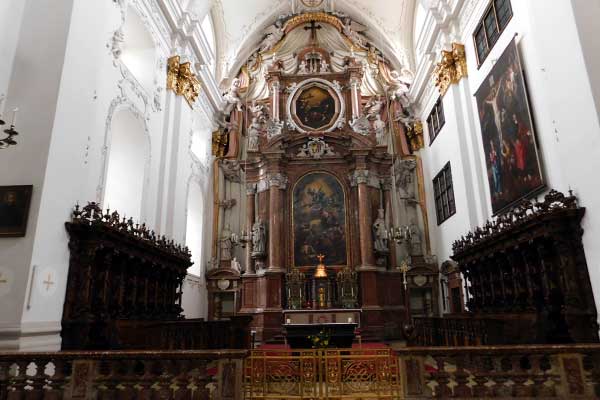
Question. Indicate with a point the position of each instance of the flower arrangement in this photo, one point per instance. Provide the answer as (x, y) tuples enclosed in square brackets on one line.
[(320, 340)]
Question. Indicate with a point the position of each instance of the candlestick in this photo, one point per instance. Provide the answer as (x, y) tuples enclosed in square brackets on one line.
[(14, 119)]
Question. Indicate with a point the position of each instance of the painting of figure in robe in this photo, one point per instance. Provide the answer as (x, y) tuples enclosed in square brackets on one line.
[(512, 160), (315, 107), (319, 220)]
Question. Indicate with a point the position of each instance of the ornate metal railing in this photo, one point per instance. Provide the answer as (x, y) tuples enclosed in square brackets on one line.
[(207, 374), (322, 374), (546, 371)]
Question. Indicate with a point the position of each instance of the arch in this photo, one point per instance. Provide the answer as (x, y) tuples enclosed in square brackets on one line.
[(127, 160), (319, 205), (139, 52)]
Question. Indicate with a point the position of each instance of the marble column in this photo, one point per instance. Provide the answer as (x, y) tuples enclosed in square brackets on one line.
[(277, 184), (360, 178), (355, 86), (250, 216)]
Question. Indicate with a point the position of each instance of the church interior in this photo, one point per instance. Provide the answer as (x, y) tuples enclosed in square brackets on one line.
[(299, 199)]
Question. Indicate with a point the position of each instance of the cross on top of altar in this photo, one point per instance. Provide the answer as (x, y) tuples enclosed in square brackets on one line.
[(313, 31)]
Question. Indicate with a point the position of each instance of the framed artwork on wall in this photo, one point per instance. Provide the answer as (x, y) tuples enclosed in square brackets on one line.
[(513, 164), (319, 220), (14, 210)]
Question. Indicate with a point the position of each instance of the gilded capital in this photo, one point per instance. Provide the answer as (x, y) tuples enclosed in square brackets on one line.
[(182, 80), (451, 69)]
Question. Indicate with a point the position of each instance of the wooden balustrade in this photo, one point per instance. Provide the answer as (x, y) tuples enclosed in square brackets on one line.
[(207, 374), (458, 330), (542, 371)]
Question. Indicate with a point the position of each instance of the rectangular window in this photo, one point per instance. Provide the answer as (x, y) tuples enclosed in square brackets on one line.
[(443, 191), (436, 120), (495, 18)]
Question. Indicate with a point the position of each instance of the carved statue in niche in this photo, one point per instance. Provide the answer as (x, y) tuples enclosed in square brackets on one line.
[(253, 134), (415, 238), (259, 239), (235, 265), (380, 233), (226, 244), (379, 127)]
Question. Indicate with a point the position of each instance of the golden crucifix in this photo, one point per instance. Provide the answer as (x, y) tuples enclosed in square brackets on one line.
[(404, 268), (321, 272)]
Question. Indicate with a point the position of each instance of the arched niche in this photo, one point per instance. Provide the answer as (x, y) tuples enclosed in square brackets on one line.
[(127, 162), (195, 226), (139, 50)]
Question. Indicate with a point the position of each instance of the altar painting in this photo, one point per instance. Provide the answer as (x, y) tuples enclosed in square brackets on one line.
[(319, 220), (512, 160), (315, 107)]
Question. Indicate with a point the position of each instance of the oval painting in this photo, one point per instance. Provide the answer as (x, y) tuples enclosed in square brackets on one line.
[(315, 107), (319, 220)]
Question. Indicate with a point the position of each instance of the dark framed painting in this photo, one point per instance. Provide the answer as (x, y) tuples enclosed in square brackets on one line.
[(513, 163), (14, 210), (315, 107), (319, 220)]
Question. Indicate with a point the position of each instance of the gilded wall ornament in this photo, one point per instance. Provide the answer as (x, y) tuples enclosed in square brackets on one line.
[(451, 69), (414, 135), (182, 80)]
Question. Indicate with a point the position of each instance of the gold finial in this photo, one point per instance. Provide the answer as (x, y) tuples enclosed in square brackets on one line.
[(320, 257)]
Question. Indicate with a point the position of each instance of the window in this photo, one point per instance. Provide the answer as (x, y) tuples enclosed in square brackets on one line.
[(436, 120), (444, 194), (489, 29)]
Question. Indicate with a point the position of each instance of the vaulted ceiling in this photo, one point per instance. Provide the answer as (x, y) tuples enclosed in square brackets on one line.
[(239, 25)]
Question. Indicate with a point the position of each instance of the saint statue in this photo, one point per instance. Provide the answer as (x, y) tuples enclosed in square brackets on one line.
[(253, 134), (373, 108), (302, 68), (379, 127), (415, 238), (324, 66), (259, 238), (380, 234), (232, 97), (226, 244)]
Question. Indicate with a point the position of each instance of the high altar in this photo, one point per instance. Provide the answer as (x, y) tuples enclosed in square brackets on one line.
[(317, 135)]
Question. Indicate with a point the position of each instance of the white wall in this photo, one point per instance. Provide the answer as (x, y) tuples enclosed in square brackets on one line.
[(72, 92), (562, 81)]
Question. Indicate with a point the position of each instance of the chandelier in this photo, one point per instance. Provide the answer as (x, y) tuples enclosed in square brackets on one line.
[(8, 140)]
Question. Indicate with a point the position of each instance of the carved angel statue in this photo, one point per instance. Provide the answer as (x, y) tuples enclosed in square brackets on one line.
[(361, 125), (232, 97), (324, 67), (379, 128), (380, 233), (400, 86), (373, 107), (258, 111), (274, 128), (352, 30), (253, 134), (273, 35), (302, 68)]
